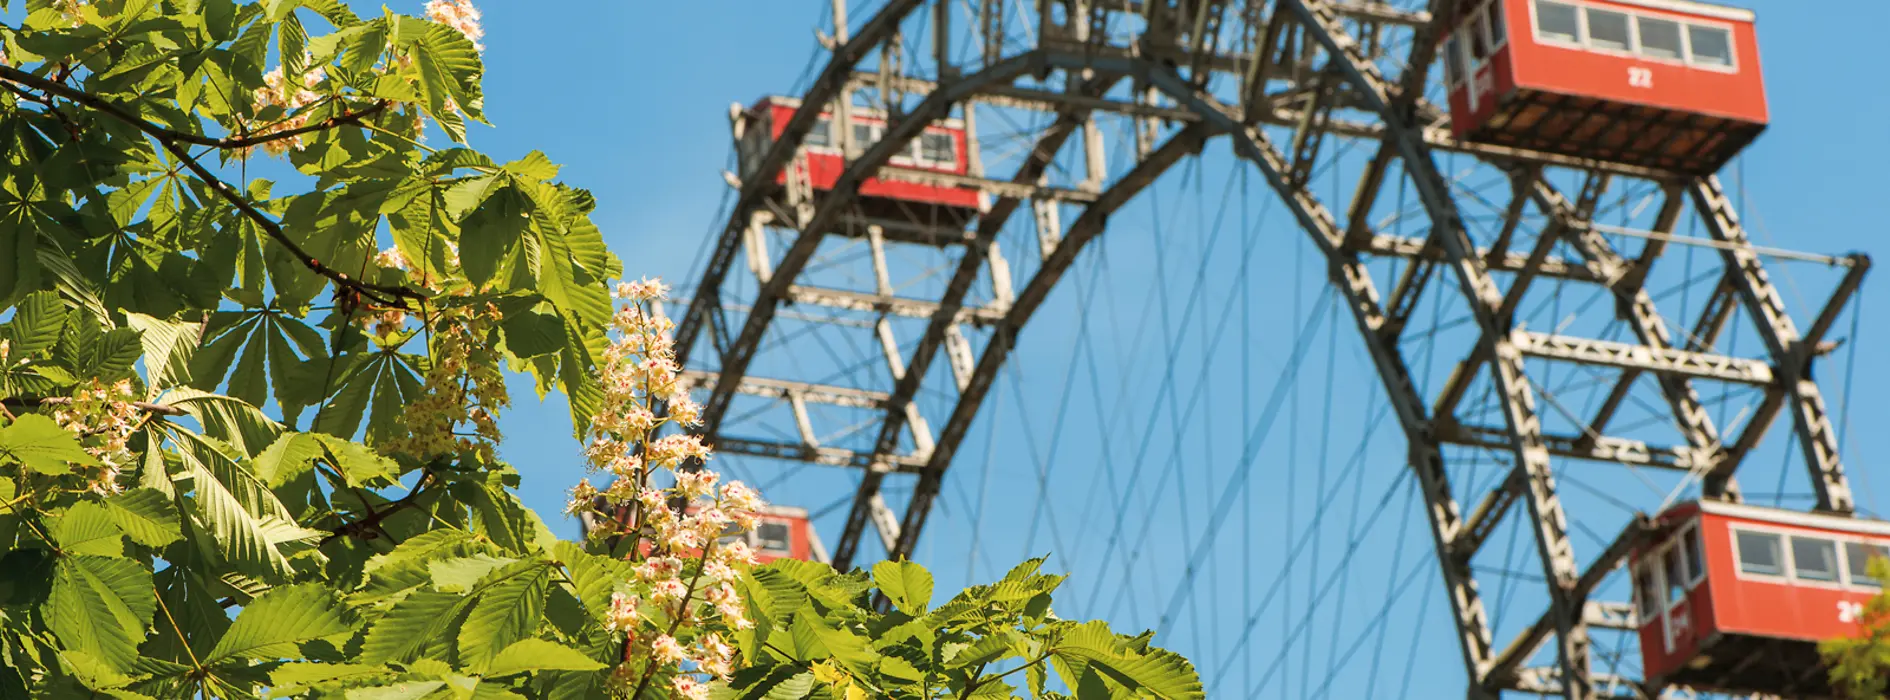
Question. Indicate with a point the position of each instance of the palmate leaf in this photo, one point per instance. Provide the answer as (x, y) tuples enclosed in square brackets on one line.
[(450, 69), (40, 444), (271, 626), (376, 387), (247, 521), (257, 352), (101, 606)]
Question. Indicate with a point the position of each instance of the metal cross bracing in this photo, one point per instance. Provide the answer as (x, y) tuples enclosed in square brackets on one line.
[(851, 376)]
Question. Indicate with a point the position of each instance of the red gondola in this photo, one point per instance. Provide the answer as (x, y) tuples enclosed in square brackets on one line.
[(924, 183), (1670, 84), (780, 532), (1736, 597), (785, 533)]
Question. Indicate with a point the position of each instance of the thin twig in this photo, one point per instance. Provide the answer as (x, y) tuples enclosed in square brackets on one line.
[(374, 518), (165, 134), (146, 406), (172, 140)]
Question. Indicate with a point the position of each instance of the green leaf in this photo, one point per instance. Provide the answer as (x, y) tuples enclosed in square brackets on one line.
[(539, 655), (146, 515), (530, 334), (296, 453), (462, 573), (101, 606), (595, 577), (87, 528), (906, 584), (508, 609), (534, 166), (289, 679), (40, 444), (491, 232), (36, 324), (1159, 673), (168, 348), (249, 523), (271, 626), (410, 625), (234, 421), (409, 690), (998, 645)]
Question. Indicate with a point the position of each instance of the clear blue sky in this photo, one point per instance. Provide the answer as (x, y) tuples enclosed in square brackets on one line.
[(631, 98)]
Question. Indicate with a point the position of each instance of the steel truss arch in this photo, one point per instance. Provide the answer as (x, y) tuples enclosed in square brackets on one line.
[(1332, 59)]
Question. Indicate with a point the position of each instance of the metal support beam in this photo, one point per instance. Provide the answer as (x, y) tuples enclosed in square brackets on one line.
[(1816, 436), (844, 190), (1525, 645), (1031, 172), (1644, 358), (1351, 277), (1531, 455), (832, 80)]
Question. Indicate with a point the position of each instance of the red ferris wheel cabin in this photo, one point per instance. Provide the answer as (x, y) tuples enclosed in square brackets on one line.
[(781, 532), (1669, 84), (1736, 598), (926, 182)]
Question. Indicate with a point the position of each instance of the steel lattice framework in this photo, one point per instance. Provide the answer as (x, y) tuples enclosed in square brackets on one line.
[(1280, 81)]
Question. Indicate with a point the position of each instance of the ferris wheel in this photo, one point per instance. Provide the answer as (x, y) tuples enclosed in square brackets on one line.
[(1277, 321)]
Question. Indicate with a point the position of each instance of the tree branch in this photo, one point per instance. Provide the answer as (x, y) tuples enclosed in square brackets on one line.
[(146, 406), (358, 528), (172, 140), (172, 135)]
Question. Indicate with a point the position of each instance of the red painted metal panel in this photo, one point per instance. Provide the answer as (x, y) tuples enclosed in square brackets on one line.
[(1738, 93), (824, 165), (1773, 606), (1491, 84)]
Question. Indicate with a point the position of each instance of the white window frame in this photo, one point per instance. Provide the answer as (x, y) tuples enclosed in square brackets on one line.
[(1790, 562), (757, 545), (1692, 533), (833, 142), (1732, 45), (1837, 544), (1844, 559), (1581, 26), (1454, 58), (1633, 36), (950, 162), (1585, 42), (1635, 23), (1739, 559), (1655, 563)]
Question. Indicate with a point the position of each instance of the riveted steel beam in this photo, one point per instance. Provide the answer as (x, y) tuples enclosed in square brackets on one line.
[(832, 79), (944, 317), (837, 200), (1816, 435), (1531, 455), (1350, 275)]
